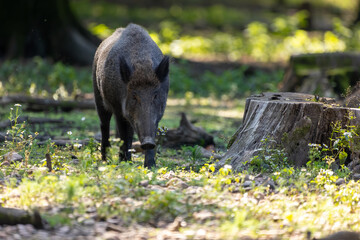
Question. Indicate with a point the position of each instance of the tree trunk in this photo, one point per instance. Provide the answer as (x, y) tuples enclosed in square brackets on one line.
[(307, 6), (44, 28), (357, 16), (292, 120)]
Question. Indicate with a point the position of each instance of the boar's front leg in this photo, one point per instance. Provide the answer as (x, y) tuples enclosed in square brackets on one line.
[(126, 133), (150, 158)]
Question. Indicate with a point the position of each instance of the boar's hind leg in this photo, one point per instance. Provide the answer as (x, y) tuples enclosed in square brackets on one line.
[(126, 134), (105, 118), (150, 158)]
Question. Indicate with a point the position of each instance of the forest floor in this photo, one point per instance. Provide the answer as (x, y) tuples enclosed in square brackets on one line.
[(182, 198)]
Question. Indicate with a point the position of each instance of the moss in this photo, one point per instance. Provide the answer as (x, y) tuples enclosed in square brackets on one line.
[(233, 138), (231, 141), (300, 132), (285, 137), (289, 139)]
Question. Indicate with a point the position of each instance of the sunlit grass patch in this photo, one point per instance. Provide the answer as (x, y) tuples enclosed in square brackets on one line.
[(214, 201)]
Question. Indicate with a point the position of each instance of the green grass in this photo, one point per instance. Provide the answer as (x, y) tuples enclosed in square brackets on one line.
[(306, 200), (39, 77)]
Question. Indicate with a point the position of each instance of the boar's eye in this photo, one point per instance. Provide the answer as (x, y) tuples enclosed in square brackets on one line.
[(156, 95), (134, 97)]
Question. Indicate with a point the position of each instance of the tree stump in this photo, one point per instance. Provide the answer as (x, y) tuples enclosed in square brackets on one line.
[(293, 120), (325, 74)]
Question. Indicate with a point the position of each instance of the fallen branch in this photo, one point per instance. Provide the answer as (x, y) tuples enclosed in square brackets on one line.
[(13, 216), (187, 134), (42, 104), (30, 120)]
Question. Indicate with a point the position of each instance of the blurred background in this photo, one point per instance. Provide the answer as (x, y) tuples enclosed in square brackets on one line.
[(256, 30), (222, 51), (215, 43)]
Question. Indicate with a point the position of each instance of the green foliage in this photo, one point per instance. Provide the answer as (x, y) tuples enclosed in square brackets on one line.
[(60, 81), (285, 26), (193, 155), (161, 205), (43, 78), (190, 17), (57, 220), (272, 40), (19, 139), (270, 158), (344, 139), (230, 84), (213, 31)]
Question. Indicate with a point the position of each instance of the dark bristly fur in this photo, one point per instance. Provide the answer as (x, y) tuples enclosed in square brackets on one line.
[(130, 79)]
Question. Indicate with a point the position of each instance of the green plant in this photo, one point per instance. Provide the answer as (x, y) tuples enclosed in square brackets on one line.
[(269, 158), (161, 132), (343, 139), (19, 138), (57, 80), (194, 156), (16, 132), (161, 206)]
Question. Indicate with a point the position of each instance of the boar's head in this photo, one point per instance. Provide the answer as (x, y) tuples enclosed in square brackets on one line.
[(145, 102)]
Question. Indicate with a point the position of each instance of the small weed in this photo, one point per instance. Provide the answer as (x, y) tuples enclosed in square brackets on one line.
[(343, 140), (269, 158), (18, 138), (57, 220), (194, 156), (161, 206)]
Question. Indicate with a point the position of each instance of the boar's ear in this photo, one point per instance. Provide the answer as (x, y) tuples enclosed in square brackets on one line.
[(163, 69), (124, 70)]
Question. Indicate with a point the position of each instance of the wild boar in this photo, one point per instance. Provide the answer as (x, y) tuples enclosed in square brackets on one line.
[(131, 81)]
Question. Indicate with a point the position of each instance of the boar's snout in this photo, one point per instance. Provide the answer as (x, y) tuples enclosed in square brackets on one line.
[(148, 143)]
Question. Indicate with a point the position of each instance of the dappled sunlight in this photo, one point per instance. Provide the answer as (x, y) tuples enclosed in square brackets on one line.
[(100, 30), (209, 106), (276, 40), (301, 42)]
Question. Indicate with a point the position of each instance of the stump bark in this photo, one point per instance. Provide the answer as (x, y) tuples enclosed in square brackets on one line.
[(292, 120)]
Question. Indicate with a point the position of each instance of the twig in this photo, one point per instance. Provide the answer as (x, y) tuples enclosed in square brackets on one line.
[(48, 162)]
